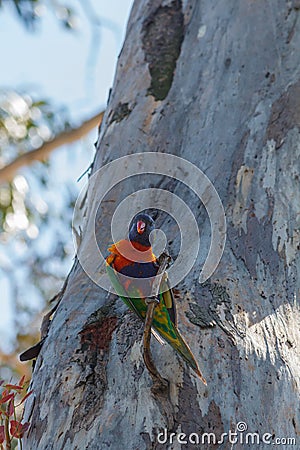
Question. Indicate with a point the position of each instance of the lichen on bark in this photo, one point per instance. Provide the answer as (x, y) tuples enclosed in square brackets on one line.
[(163, 33)]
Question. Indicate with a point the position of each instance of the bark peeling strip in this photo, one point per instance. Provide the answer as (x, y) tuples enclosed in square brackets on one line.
[(163, 33)]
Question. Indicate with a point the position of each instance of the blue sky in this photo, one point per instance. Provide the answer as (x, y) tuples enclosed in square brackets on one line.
[(74, 69), (59, 64)]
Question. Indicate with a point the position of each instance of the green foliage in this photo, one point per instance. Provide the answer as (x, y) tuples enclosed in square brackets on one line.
[(25, 124), (36, 206), (12, 398), (30, 11), (35, 212)]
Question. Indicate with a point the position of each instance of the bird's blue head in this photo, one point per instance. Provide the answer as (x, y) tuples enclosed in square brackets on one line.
[(140, 229)]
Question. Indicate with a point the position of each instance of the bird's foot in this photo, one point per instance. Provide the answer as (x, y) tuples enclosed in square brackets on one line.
[(164, 258), (149, 300)]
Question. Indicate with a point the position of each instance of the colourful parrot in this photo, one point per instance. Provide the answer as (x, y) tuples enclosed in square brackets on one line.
[(123, 260)]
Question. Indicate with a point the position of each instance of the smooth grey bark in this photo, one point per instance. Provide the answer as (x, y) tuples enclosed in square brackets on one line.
[(217, 83)]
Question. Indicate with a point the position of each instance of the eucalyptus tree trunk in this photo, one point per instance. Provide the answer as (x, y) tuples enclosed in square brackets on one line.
[(217, 84)]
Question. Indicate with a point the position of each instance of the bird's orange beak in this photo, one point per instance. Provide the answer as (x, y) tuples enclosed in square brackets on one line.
[(140, 226)]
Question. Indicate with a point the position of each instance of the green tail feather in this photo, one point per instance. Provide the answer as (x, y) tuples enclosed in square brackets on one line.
[(184, 351), (161, 320)]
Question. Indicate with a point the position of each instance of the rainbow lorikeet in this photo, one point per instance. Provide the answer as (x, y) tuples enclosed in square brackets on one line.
[(122, 260)]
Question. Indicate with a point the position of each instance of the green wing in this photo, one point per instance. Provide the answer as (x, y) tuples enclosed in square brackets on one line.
[(164, 318), (120, 290)]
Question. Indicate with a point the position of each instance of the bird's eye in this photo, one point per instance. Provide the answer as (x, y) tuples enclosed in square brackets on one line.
[(140, 226)]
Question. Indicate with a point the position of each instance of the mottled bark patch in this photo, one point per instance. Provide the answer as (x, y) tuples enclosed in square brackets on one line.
[(213, 309), (162, 38), (129, 332), (191, 419), (285, 114), (200, 316), (92, 356), (257, 242), (296, 4), (94, 337), (120, 112)]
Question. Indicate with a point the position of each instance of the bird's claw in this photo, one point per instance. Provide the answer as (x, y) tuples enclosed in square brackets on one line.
[(150, 300), (164, 257)]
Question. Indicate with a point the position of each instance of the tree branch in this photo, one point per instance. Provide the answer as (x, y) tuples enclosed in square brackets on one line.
[(66, 137), (155, 375), (158, 381)]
